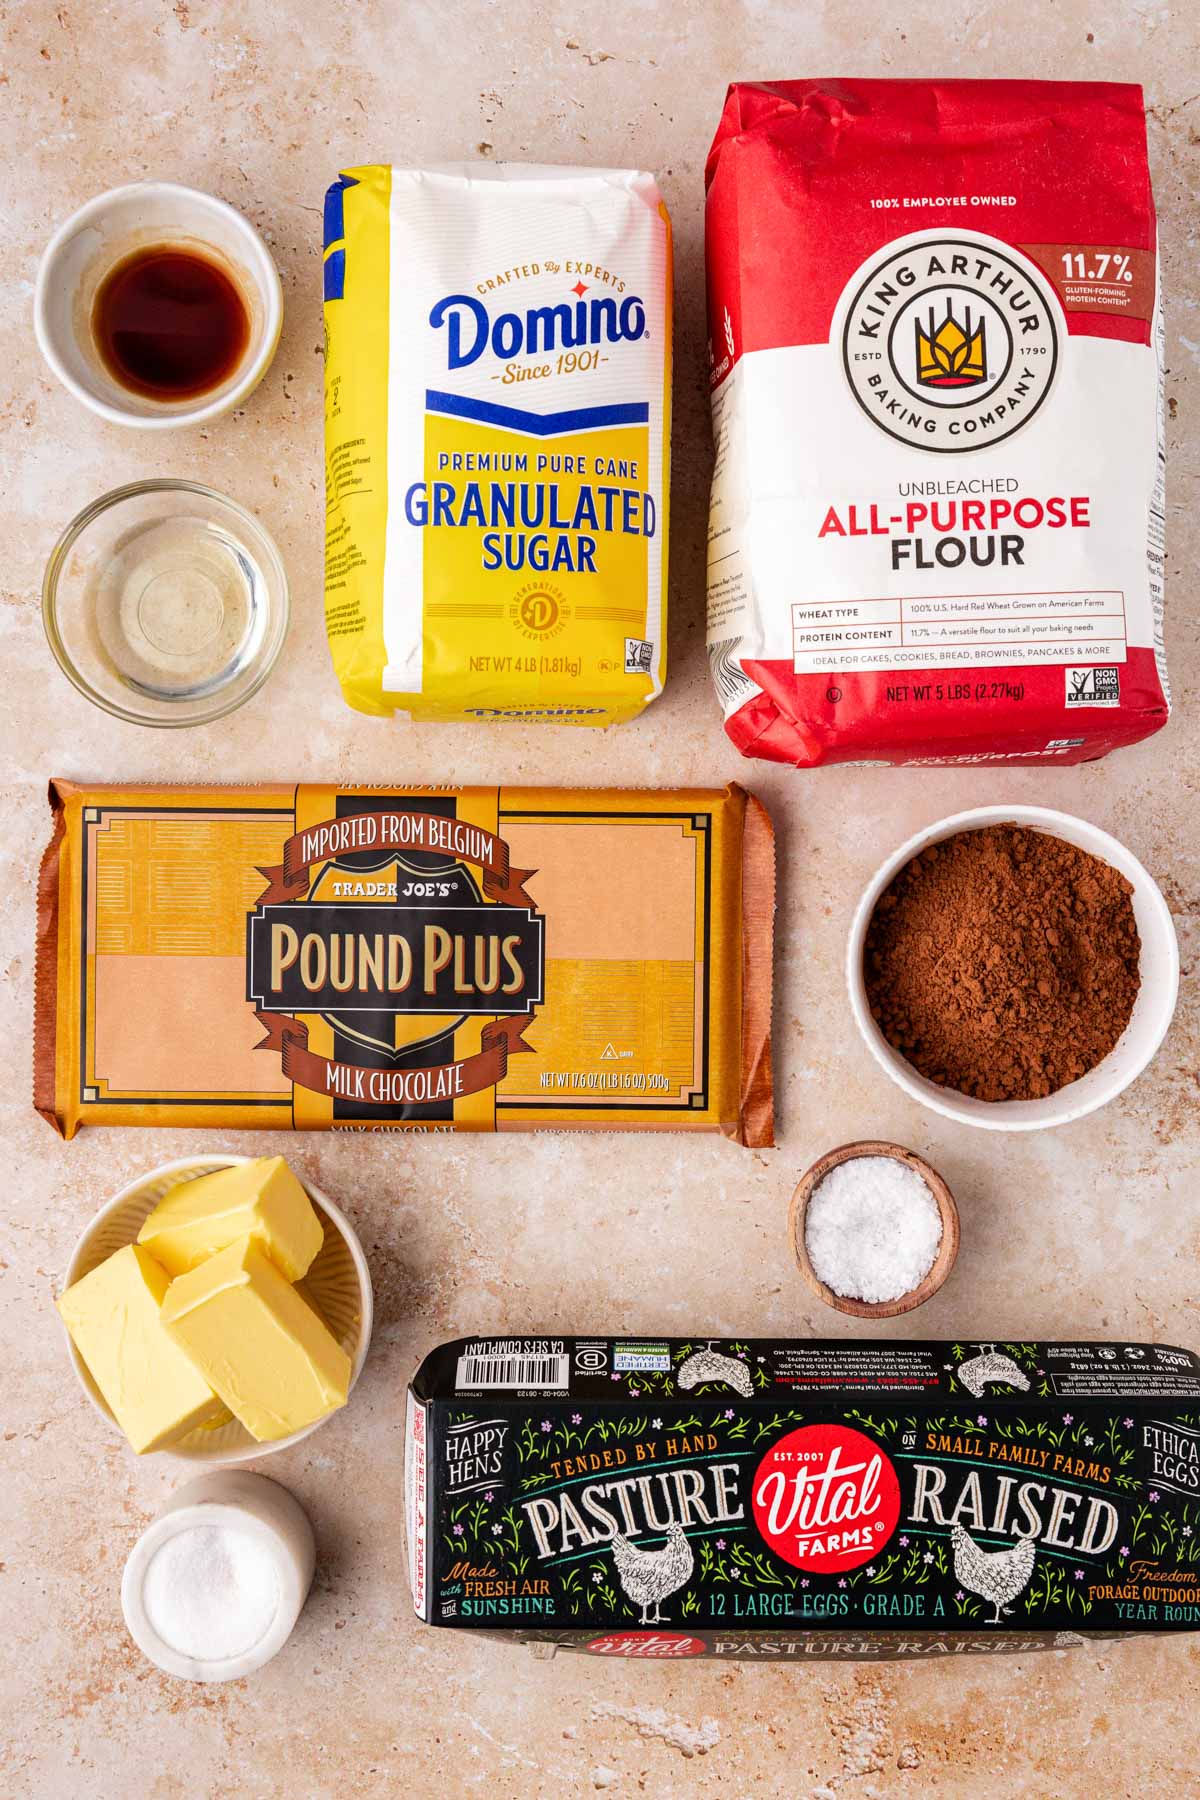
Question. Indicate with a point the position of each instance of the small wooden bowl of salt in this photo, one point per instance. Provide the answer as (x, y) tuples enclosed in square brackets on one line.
[(874, 1229)]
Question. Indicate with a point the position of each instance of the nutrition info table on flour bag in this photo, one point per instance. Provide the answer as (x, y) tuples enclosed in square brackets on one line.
[(945, 630)]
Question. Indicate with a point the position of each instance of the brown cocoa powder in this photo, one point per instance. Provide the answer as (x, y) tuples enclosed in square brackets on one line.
[(1003, 963)]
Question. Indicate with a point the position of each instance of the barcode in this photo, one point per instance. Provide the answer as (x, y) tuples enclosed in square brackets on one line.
[(512, 1372), (729, 678)]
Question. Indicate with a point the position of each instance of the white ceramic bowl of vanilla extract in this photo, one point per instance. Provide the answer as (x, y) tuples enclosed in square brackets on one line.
[(158, 305)]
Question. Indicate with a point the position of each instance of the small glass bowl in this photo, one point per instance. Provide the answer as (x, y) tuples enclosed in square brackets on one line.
[(165, 603)]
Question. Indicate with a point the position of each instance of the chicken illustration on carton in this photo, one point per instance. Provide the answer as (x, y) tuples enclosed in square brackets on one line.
[(776, 1497), (997, 1576), (648, 1576)]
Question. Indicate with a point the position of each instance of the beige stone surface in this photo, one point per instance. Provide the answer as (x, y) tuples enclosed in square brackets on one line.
[(1092, 1229)]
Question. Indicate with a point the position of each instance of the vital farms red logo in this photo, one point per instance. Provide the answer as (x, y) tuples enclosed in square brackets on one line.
[(826, 1498), (646, 1643)]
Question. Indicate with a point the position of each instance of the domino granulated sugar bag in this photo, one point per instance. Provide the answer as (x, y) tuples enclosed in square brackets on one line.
[(936, 530), (497, 431)]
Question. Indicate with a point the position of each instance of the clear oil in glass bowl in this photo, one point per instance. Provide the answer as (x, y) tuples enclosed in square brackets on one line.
[(180, 608), (165, 603)]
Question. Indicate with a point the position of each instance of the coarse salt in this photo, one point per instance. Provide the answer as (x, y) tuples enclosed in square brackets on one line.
[(211, 1592), (872, 1229)]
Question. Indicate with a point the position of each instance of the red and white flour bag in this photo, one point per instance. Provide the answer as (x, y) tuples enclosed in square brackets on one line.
[(937, 510)]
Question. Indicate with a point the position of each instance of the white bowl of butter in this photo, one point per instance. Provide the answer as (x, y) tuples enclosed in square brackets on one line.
[(337, 1285)]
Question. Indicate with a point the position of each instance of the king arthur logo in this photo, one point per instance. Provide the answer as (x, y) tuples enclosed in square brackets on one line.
[(949, 343), (414, 926), (950, 354)]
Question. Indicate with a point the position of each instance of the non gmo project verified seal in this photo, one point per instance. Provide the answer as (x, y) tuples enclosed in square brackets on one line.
[(638, 652), (1093, 687)]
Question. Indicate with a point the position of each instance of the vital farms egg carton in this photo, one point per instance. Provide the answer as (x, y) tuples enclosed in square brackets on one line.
[(775, 1497)]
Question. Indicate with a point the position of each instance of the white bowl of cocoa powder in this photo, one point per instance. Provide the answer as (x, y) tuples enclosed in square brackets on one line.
[(1012, 967)]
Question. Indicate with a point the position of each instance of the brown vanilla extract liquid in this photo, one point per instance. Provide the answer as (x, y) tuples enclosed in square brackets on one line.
[(170, 323)]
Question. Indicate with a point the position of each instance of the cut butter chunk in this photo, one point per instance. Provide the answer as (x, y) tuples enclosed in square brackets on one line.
[(263, 1349), (153, 1388), (260, 1200)]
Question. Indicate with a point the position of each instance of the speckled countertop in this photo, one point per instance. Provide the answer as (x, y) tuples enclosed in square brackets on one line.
[(1088, 1230)]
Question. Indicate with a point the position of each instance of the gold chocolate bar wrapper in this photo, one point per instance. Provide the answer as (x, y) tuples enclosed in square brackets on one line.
[(434, 959)]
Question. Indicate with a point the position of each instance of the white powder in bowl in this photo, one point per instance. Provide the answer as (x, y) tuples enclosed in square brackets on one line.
[(872, 1229), (211, 1592)]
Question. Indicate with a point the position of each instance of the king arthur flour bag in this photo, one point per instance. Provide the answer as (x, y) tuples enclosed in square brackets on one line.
[(497, 424), (937, 508)]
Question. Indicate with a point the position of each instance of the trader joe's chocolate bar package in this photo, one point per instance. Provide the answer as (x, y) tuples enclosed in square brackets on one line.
[(936, 366), (803, 1498), (433, 959)]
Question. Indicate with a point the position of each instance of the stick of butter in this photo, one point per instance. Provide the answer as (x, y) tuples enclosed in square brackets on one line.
[(275, 1364), (153, 1388), (261, 1200)]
